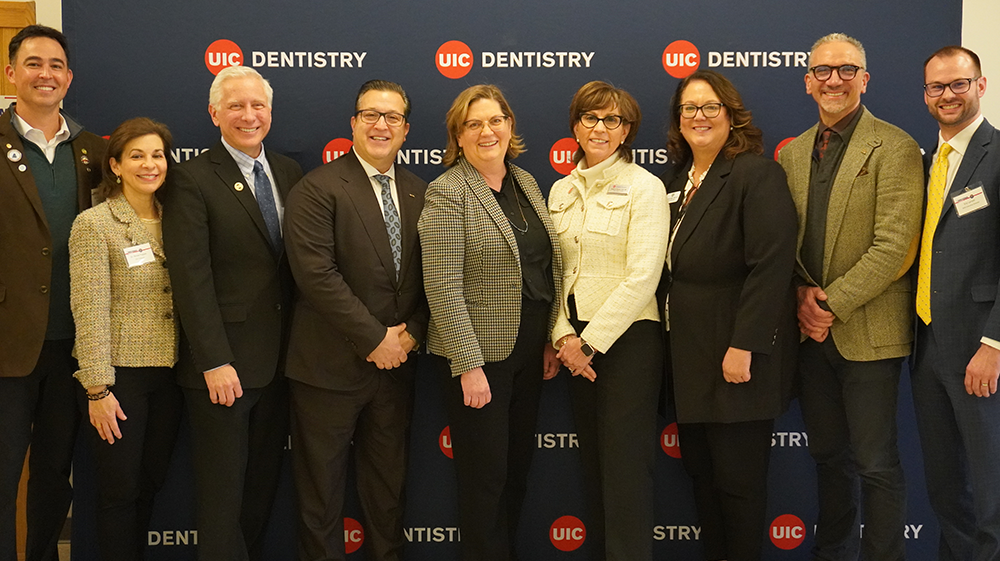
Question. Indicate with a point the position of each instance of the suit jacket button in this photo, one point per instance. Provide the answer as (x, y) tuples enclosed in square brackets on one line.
[(166, 290), (43, 289), (46, 251), (277, 307), (168, 315), (399, 292)]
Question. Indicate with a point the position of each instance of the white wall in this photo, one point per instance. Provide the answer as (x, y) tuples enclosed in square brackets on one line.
[(979, 28)]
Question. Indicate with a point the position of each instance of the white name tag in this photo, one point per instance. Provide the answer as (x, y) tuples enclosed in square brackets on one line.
[(673, 197), (139, 255), (618, 190), (970, 200)]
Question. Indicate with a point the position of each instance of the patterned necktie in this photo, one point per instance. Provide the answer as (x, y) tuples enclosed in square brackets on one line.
[(824, 142), (265, 200), (935, 200), (392, 225)]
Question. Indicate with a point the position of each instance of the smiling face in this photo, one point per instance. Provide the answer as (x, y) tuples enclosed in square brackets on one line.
[(836, 97), (705, 136), (243, 115), (953, 111), (599, 143), (143, 166), (378, 144), (40, 74), (486, 148)]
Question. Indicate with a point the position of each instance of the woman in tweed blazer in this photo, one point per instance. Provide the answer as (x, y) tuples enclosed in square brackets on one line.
[(611, 216), (492, 270), (126, 336)]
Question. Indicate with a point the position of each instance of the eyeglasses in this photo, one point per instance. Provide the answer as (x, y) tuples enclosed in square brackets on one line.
[(847, 72), (371, 117), (611, 122), (709, 110), (959, 86), (496, 123)]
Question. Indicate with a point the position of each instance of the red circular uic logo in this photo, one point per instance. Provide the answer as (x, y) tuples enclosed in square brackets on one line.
[(567, 533), (561, 155), (681, 59), (336, 148), (781, 145), (453, 59), (222, 53), (444, 441), (354, 535), (787, 531), (669, 442)]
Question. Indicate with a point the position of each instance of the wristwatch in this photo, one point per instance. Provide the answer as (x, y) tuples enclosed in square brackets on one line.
[(588, 351)]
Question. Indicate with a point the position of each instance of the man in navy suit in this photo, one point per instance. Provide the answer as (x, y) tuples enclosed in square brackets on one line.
[(957, 353)]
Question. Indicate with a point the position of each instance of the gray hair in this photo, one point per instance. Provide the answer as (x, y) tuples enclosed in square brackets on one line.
[(839, 38), (232, 73)]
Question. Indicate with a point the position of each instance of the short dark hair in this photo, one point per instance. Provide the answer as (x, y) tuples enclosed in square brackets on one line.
[(596, 95), (33, 31), (955, 50), (125, 133), (383, 86), (744, 136)]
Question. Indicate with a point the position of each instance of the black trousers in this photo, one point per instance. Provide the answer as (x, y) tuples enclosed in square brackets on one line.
[(131, 471), (493, 446), (728, 465), (237, 454), (616, 424), (39, 410), (324, 423)]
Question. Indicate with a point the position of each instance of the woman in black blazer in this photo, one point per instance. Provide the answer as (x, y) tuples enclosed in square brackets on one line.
[(730, 308)]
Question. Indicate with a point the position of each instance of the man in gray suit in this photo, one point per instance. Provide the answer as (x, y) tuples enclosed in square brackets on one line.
[(856, 182), (351, 231), (957, 354)]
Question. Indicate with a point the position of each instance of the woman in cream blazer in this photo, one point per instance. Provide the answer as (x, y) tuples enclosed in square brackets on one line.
[(126, 336)]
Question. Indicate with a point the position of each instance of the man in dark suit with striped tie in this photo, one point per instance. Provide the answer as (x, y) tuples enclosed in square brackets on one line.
[(351, 234)]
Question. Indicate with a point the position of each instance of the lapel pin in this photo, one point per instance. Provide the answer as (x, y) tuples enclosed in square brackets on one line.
[(83, 150), (9, 146), (84, 160), (14, 155), (22, 168), (412, 196), (238, 186)]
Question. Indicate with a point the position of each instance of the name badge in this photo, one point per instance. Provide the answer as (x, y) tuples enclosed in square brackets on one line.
[(970, 200), (139, 255), (619, 190), (673, 197)]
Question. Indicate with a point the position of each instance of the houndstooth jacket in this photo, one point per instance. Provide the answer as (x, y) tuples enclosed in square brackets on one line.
[(472, 270)]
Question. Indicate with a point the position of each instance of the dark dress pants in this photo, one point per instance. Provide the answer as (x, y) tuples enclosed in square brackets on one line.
[(615, 420), (849, 409), (728, 464), (324, 422), (492, 446), (237, 455), (131, 471), (960, 438), (39, 410)]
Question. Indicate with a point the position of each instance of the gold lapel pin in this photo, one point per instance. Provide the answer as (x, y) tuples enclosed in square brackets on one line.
[(238, 186)]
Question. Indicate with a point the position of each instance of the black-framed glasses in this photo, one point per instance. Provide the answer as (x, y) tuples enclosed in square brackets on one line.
[(847, 72), (496, 123), (611, 122), (709, 110), (372, 116), (959, 86)]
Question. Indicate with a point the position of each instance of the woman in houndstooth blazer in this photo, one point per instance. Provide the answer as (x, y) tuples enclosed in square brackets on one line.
[(492, 270), (126, 336)]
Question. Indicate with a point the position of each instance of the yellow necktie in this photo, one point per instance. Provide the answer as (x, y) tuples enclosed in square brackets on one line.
[(935, 200)]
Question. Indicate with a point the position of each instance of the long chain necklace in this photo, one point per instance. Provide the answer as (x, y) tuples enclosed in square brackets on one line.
[(523, 219)]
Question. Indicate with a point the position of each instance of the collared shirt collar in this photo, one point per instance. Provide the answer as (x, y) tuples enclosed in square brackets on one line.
[(370, 170), (960, 142), (842, 125), (37, 137), (244, 161)]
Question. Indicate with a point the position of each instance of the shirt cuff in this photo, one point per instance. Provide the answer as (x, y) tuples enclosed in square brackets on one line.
[(991, 342)]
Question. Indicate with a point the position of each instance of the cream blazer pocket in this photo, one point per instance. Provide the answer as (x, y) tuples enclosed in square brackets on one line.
[(607, 214), (564, 214)]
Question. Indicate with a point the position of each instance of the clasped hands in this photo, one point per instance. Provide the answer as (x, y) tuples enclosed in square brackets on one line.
[(814, 321), (394, 348), (572, 357)]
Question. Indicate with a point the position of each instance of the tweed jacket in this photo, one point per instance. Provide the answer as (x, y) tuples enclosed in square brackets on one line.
[(26, 242), (614, 243), (124, 315), (472, 269), (872, 223)]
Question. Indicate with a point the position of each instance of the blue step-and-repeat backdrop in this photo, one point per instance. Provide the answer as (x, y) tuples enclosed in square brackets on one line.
[(158, 59)]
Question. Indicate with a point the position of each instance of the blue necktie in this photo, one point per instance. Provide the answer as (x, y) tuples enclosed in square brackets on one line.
[(392, 225), (265, 200)]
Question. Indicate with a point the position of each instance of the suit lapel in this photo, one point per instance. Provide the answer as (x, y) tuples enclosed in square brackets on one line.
[(854, 164), (489, 201), (234, 181), (974, 154), (700, 201), (9, 141), (123, 212), (359, 188), (410, 205)]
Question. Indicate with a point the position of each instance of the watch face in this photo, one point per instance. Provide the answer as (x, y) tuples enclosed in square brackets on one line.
[(587, 349)]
